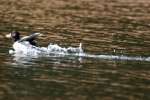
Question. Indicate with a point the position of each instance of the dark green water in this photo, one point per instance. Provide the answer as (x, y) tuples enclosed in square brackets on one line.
[(107, 27)]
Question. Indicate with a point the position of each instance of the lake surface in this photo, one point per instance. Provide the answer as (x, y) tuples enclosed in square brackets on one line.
[(104, 27)]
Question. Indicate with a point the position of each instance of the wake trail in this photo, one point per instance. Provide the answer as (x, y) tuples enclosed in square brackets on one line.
[(116, 57)]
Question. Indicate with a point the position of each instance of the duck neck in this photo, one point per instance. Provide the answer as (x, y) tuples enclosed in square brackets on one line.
[(16, 39)]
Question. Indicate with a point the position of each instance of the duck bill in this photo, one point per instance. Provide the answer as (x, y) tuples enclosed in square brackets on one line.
[(8, 35)]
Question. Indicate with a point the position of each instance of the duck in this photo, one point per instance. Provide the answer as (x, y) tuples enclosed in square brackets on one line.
[(15, 36), (25, 45)]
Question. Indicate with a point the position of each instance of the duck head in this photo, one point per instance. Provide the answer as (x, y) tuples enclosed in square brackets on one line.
[(14, 35)]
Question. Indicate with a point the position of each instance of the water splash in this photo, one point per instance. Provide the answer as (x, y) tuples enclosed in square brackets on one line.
[(24, 48)]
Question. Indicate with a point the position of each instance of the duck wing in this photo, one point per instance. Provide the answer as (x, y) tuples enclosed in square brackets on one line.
[(30, 37)]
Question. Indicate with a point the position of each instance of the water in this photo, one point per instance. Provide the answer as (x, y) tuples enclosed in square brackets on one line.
[(115, 39)]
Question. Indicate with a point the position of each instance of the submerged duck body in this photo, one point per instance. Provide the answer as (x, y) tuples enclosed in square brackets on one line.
[(26, 48)]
